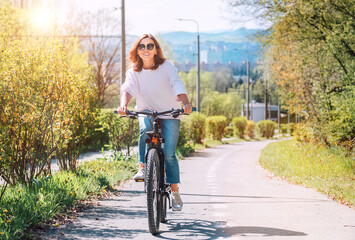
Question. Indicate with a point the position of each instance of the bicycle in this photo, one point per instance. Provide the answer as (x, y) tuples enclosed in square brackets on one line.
[(158, 191)]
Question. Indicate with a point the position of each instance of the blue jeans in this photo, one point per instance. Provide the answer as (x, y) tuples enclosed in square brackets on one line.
[(170, 131)]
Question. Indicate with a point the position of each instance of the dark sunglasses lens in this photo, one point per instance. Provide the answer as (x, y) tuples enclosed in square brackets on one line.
[(141, 47), (150, 46)]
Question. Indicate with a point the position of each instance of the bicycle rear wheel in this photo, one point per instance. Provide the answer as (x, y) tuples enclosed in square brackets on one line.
[(153, 194)]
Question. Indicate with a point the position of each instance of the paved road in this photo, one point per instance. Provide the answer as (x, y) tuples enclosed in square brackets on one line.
[(227, 195)]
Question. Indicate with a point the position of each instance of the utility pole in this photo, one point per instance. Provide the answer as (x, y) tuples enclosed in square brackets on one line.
[(248, 86), (266, 100), (198, 72), (123, 43), (197, 63)]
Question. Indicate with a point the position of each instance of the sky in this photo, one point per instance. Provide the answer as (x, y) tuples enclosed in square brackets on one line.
[(158, 16)]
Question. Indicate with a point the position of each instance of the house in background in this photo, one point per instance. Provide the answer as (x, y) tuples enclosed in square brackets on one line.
[(257, 111)]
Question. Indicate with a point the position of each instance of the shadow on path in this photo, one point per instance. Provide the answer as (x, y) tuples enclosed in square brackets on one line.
[(266, 199), (202, 229)]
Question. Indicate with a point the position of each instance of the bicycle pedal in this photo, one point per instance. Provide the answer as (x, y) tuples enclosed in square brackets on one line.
[(139, 180)]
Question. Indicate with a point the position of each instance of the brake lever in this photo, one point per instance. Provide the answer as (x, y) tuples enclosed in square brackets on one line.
[(128, 115)]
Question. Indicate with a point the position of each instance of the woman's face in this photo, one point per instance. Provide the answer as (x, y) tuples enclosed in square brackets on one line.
[(146, 54)]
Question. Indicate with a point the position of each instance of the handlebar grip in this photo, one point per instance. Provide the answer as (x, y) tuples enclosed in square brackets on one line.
[(193, 109)]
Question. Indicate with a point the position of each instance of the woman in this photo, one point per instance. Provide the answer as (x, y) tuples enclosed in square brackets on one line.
[(155, 83)]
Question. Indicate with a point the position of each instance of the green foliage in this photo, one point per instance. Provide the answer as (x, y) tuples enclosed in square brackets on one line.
[(122, 132), (47, 100), (212, 102), (228, 132), (226, 104), (284, 128), (215, 126), (316, 65), (342, 127), (266, 128), (223, 79), (195, 126), (184, 147), (328, 170), (46, 107), (240, 124), (26, 206), (310, 54), (206, 85), (304, 133), (250, 129)]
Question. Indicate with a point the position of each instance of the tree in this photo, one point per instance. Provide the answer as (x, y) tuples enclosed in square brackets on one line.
[(46, 100), (312, 47), (223, 79), (103, 48)]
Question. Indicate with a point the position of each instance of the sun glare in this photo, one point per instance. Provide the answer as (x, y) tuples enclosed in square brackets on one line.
[(42, 19)]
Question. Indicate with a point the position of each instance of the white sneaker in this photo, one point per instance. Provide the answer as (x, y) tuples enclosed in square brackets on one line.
[(176, 201), (139, 175)]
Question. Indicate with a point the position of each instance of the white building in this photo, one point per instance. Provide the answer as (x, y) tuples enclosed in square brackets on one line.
[(257, 111)]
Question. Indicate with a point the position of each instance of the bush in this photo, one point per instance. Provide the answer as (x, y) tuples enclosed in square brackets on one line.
[(47, 101), (228, 132), (250, 129), (284, 128), (304, 133), (215, 126), (240, 124), (28, 206), (183, 147), (122, 132), (266, 128), (194, 125)]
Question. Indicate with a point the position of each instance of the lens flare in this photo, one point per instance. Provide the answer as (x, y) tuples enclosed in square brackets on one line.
[(41, 19)]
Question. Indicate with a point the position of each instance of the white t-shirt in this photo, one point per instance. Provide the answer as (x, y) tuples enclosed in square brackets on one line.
[(155, 89)]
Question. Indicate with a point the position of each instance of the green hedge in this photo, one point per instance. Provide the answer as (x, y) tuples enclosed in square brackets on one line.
[(195, 125), (250, 129), (47, 105), (122, 132), (215, 126), (240, 124), (266, 128)]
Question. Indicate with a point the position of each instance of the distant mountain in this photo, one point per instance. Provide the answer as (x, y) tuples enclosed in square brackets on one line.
[(233, 36), (223, 47)]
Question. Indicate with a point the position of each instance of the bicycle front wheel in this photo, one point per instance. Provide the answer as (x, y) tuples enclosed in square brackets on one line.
[(153, 194), (163, 208)]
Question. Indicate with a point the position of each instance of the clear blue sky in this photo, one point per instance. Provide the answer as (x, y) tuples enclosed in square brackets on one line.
[(155, 16)]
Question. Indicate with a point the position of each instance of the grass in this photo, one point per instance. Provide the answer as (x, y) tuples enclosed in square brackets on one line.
[(329, 171), (28, 206)]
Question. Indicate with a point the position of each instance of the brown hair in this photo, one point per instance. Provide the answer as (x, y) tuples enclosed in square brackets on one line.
[(137, 61)]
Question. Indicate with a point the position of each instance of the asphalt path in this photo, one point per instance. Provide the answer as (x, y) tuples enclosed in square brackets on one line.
[(226, 195)]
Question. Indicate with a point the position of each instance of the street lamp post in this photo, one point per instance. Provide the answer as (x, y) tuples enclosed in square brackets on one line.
[(248, 86), (248, 83), (197, 63), (123, 42)]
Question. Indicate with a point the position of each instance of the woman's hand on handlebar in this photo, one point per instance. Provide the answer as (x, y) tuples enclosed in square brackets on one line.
[(122, 110), (187, 108)]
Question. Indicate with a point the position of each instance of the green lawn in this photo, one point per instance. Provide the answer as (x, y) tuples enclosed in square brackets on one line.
[(329, 171)]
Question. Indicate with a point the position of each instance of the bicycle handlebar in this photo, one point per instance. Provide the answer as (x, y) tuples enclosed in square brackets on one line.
[(172, 112)]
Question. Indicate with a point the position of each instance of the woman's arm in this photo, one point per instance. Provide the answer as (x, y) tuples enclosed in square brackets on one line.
[(185, 100), (125, 99)]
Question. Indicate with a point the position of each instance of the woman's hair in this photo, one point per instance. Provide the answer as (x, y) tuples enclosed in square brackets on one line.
[(137, 61)]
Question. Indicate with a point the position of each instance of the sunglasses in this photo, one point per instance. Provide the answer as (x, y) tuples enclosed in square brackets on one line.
[(150, 46)]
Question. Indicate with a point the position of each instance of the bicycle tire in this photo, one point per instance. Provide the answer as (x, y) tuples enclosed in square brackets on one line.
[(153, 195), (163, 210)]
